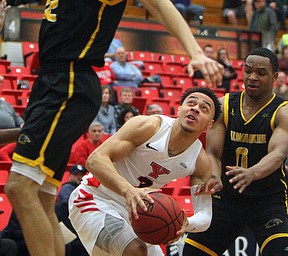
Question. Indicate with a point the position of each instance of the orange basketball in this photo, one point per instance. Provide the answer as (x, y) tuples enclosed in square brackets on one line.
[(161, 222)]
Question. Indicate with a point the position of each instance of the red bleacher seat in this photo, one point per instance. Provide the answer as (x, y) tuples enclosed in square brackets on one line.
[(18, 71), (12, 80), (173, 93), (140, 104), (220, 92), (12, 96), (153, 67), (141, 55), (185, 200), (3, 66), (148, 92), (173, 68), (166, 79), (181, 59), (164, 103), (5, 206), (200, 82), (184, 82), (164, 57)]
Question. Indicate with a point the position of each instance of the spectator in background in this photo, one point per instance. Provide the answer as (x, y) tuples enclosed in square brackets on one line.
[(95, 133), (3, 9), (283, 60), (190, 12), (126, 74), (232, 10), (229, 71), (125, 101), (6, 152), (110, 54), (106, 114), (281, 88), (8, 116), (277, 7), (13, 231), (209, 52), (126, 114), (154, 109), (264, 20), (74, 248)]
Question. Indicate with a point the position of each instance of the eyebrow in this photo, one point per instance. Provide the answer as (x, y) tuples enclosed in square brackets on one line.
[(205, 101)]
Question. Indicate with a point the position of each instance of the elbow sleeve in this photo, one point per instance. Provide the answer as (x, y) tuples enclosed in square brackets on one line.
[(202, 217)]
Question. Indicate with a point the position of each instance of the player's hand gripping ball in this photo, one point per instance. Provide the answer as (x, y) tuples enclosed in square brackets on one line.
[(161, 222)]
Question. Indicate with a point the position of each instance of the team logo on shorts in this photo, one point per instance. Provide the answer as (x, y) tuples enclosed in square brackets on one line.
[(23, 139)]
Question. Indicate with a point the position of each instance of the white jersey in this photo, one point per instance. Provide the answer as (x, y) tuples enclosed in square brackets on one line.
[(149, 165)]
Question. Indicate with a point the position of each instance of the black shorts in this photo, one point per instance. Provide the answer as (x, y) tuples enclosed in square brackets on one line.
[(266, 217), (61, 108)]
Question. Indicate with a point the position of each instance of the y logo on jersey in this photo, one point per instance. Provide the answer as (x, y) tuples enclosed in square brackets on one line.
[(157, 170)]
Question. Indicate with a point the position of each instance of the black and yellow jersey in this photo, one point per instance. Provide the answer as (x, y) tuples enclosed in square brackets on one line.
[(246, 144), (81, 31)]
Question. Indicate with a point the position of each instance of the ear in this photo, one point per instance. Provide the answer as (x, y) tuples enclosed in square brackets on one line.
[(210, 124)]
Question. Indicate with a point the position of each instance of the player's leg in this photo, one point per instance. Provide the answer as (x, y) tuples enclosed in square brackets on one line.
[(225, 226), (23, 195), (102, 228), (270, 226), (48, 202)]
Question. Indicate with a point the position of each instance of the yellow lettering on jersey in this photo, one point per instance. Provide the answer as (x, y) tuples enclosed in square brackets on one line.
[(111, 2), (50, 5), (248, 138)]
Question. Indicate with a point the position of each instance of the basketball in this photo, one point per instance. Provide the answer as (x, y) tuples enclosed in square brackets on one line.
[(161, 222)]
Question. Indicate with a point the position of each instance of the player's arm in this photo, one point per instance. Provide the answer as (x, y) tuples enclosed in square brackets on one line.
[(100, 163), (277, 151), (215, 140), (9, 135), (202, 201), (166, 14)]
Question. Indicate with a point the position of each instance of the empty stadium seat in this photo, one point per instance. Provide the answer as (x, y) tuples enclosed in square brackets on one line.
[(141, 55), (148, 93), (6, 207)]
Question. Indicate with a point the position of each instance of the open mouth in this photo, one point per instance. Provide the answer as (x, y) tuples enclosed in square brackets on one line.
[(191, 118)]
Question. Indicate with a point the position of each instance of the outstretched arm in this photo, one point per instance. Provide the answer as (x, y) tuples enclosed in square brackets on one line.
[(166, 14)]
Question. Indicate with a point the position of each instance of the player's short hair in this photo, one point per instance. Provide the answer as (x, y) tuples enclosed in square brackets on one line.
[(209, 93), (265, 52)]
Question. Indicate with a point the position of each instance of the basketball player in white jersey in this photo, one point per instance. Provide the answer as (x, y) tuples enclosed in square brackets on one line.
[(143, 156)]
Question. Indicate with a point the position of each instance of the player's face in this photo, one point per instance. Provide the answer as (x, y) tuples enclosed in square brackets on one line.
[(258, 77), (196, 113)]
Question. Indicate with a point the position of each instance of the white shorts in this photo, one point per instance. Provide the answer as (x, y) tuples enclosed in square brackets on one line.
[(34, 173), (87, 211)]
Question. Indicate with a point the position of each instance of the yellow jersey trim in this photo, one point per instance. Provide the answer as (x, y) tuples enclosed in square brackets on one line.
[(270, 238), (200, 247)]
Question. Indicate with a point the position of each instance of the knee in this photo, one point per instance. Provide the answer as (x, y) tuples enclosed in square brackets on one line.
[(136, 248)]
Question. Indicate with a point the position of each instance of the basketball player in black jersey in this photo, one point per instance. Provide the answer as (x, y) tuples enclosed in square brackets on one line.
[(74, 35), (248, 147)]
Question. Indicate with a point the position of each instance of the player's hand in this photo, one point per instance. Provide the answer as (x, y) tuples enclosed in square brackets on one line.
[(241, 177), (136, 197), (213, 185), (211, 69), (182, 231)]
